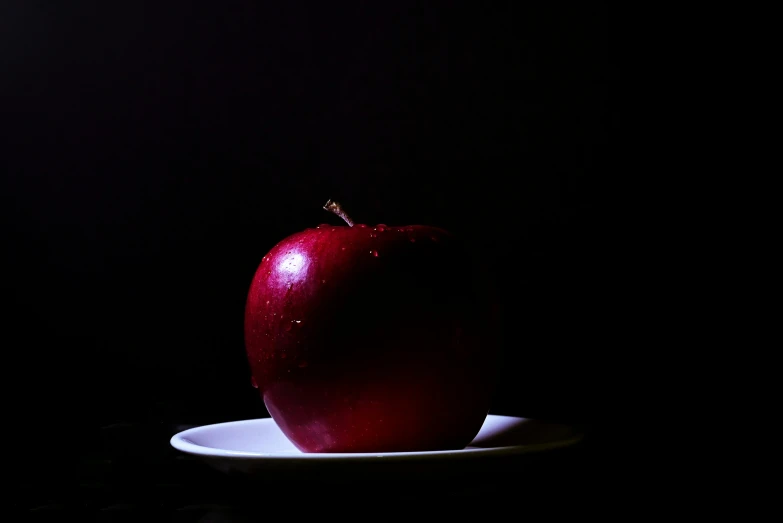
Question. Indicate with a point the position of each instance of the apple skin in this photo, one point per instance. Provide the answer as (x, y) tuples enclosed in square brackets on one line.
[(372, 339)]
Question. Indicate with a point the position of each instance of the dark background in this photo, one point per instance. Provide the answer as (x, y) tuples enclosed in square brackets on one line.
[(152, 153)]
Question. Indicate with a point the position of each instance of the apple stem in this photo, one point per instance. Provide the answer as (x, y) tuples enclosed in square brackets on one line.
[(338, 210)]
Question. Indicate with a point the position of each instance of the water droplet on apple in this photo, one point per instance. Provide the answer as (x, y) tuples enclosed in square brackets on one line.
[(361, 225), (373, 235), (342, 248), (290, 285), (374, 253), (297, 321), (333, 229), (267, 302), (381, 227), (323, 281), (253, 382)]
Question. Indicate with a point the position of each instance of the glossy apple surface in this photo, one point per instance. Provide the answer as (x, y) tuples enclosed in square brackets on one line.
[(372, 339)]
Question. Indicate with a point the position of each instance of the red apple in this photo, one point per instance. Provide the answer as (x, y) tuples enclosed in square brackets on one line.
[(372, 339)]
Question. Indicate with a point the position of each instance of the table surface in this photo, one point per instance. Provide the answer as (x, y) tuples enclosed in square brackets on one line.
[(128, 471)]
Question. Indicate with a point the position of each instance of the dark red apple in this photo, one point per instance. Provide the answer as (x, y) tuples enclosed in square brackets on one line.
[(372, 339)]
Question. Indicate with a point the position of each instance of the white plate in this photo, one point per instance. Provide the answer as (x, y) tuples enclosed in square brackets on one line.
[(258, 448)]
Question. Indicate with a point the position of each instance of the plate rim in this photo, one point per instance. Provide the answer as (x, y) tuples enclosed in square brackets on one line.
[(181, 443)]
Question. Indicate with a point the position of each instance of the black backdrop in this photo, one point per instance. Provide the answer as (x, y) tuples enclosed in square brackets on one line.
[(153, 152)]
